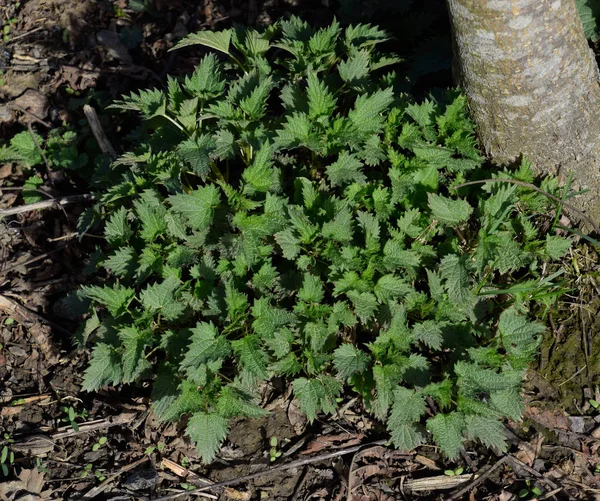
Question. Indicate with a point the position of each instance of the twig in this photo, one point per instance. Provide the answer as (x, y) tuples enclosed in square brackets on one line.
[(4, 271), (482, 476), (46, 204), (534, 188), (31, 320), (354, 457), (98, 424), (98, 131), (517, 462), (283, 467), (32, 115), (26, 34), (92, 493)]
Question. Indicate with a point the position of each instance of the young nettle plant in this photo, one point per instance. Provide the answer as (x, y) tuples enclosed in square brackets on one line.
[(288, 212)]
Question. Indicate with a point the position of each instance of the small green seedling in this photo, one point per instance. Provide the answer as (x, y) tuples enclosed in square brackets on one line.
[(7, 459), (594, 403), (159, 447), (71, 415), (274, 454), (89, 470), (454, 473), (101, 441), (530, 490)]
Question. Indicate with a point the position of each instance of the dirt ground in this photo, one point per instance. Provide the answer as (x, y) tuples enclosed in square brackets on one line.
[(60, 443)]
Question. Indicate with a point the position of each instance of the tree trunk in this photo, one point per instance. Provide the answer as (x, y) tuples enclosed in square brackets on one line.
[(532, 85)]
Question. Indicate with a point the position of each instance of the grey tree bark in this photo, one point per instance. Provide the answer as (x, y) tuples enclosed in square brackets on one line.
[(532, 85)]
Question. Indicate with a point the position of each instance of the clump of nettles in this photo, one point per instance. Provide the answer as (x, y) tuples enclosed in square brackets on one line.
[(287, 211)]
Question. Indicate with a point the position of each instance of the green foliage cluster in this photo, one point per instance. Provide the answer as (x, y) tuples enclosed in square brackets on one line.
[(286, 212)]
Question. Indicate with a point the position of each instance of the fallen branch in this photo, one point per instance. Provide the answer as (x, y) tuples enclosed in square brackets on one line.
[(283, 467), (46, 204), (98, 131), (480, 478)]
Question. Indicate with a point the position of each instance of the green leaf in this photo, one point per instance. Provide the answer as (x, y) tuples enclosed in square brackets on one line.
[(289, 243), (30, 191), (340, 228), (196, 152), (345, 170), (312, 289), (408, 407), (207, 81), (406, 436), (366, 116), (207, 431), (260, 175), (365, 305), (349, 360), (448, 211), (163, 299), (453, 270), (134, 343), (218, 40), (255, 104), (316, 395), (386, 378), (321, 102), (251, 356), (557, 247), (390, 287), (104, 368), (151, 213), (115, 298), (354, 70), (118, 230), (198, 206), (489, 431), (234, 402), (122, 262), (520, 337), (24, 147), (206, 344), (429, 333), (447, 431)]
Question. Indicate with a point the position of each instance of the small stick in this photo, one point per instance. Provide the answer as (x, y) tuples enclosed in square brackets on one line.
[(98, 131), (4, 271), (482, 476), (26, 34), (46, 204), (32, 115), (283, 467), (534, 188), (92, 493)]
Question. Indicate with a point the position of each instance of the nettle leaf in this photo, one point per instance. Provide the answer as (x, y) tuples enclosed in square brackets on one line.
[(519, 336), (316, 395), (447, 431), (218, 40), (340, 228), (234, 402), (312, 289), (206, 345), (104, 369), (390, 287), (453, 270), (206, 82), (115, 298), (489, 431), (122, 262), (260, 175), (118, 230), (163, 299), (386, 379), (557, 247), (365, 305), (349, 360), (366, 116), (429, 333), (252, 357), (134, 343), (448, 211), (321, 102), (354, 69), (345, 170), (207, 431), (197, 152), (198, 206)]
